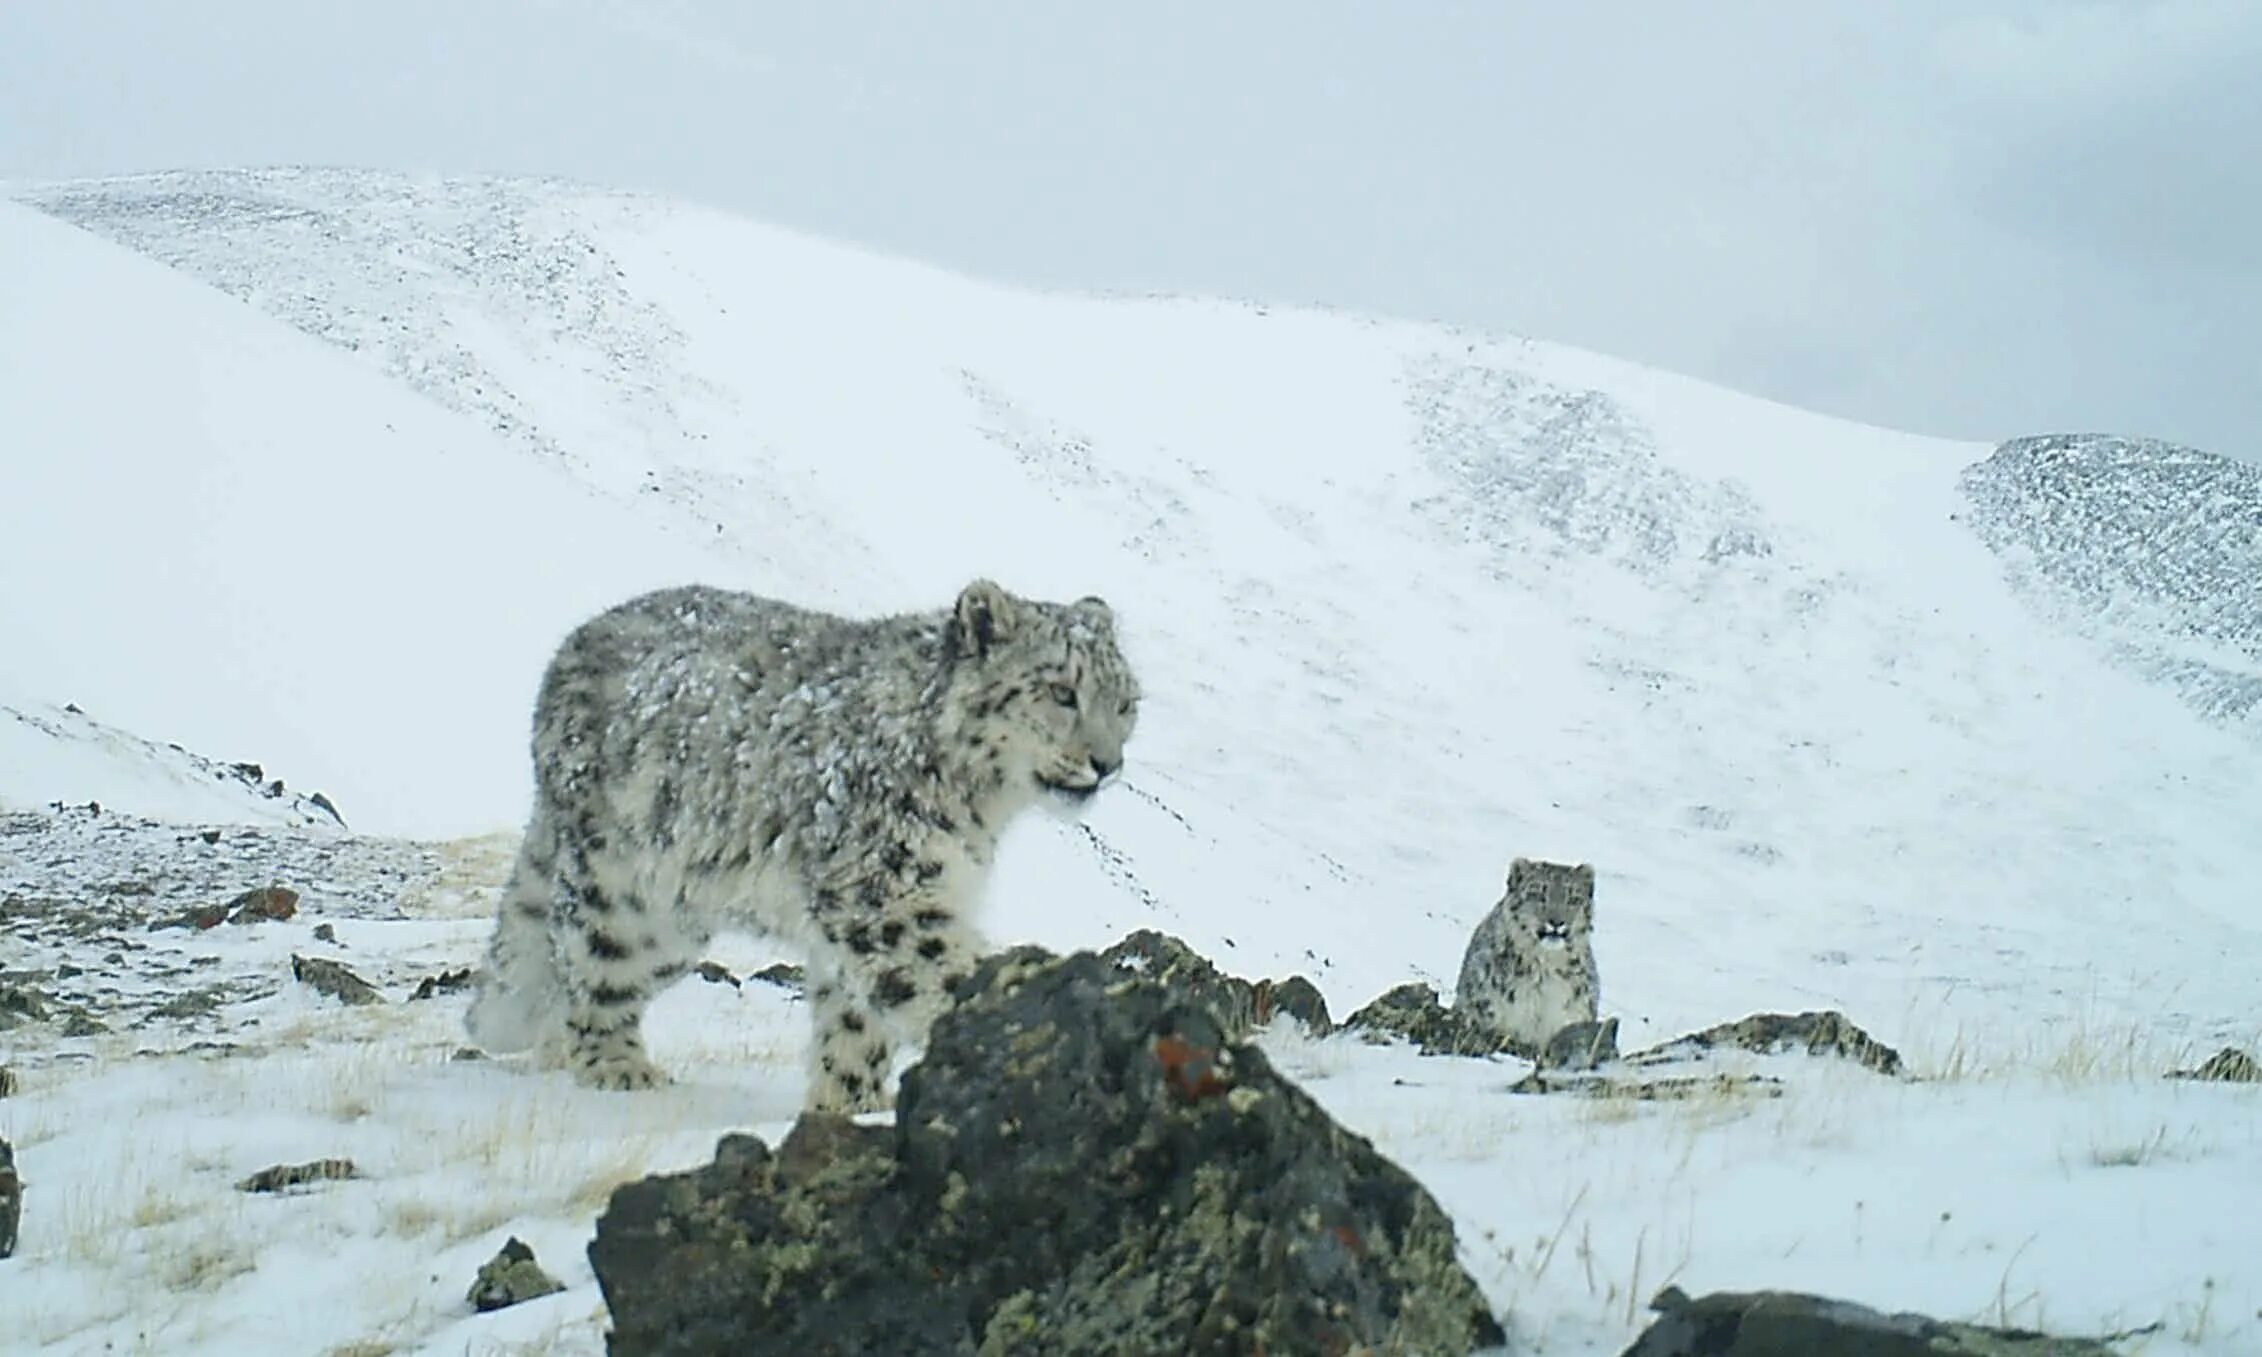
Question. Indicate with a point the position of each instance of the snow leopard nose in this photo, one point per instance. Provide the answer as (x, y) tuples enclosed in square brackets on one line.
[(1105, 767)]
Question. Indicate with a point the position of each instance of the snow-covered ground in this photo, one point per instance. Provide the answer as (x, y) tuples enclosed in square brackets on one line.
[(1406, 603)]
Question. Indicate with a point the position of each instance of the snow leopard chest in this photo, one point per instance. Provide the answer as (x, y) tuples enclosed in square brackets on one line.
[(1531, 1002)]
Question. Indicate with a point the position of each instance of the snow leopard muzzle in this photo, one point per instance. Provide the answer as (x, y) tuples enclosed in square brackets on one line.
[(1076, 788)]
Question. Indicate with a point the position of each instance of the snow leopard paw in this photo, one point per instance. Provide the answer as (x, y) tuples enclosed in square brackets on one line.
[(620, 1071)]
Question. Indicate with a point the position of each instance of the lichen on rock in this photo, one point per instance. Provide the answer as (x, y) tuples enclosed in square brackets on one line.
[(511, 1277), (1129, 1181), (1413, 1012)]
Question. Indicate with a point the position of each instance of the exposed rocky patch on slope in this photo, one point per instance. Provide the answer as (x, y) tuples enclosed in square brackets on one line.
[(2152, 550), (1549, 470), (124, 923), (334, 253)]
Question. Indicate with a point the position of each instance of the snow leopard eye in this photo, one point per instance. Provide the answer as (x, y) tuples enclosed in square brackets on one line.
[(1064, 694)]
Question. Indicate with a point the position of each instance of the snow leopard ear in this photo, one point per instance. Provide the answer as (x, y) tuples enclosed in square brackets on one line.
[(1094, 609), (1584, 875), (985, 616)]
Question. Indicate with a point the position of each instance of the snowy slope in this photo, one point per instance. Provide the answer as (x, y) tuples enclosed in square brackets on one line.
[(1406, 603), (1409, 602), (72, 758), (225, 534)]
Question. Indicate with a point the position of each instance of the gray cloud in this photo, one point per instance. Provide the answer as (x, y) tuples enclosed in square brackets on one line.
[(1978, 218), (2131, 132)]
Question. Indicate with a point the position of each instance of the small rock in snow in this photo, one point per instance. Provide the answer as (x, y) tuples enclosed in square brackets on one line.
[(266, 902), (2227, 1066), (332, 978), (446, 982), (11, 1199), (283, 1177), (509, 1278)]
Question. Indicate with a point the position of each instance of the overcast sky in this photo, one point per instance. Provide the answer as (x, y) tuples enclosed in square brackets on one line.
[(1969, 217)]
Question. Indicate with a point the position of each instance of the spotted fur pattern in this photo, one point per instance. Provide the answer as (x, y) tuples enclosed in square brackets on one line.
[(707, 760), (1529, 970)]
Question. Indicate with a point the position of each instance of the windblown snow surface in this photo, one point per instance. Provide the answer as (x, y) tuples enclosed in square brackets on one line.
[(313, 468)]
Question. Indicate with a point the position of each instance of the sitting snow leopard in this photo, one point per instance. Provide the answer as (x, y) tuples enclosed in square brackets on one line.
[(1529, 970), (709, 760)]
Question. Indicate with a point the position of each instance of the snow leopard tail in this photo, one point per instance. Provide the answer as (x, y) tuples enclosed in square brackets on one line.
[(521, 997)]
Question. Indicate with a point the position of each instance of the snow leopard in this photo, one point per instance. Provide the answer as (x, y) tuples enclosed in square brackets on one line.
[(1529, 969), (710, 760)]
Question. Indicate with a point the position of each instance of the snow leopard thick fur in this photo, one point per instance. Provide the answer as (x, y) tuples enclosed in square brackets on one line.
[(708, 760), (1529, 969)]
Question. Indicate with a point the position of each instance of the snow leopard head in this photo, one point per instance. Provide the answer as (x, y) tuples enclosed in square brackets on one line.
[(1045, 687), (1551, 904)]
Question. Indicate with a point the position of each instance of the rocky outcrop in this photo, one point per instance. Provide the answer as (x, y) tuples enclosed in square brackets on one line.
[(2227, 1066), (1413, 1012), (1825, 1032), (1294, 997), (1241, 1005), (1789, 1324), (1085, 1162)]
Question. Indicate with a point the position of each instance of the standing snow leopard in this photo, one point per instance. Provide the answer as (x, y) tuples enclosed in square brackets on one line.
[(1529, 971), (709, 760)]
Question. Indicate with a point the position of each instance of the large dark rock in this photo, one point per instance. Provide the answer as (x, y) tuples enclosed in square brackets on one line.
[(1788, 1324), (1082, 1163)]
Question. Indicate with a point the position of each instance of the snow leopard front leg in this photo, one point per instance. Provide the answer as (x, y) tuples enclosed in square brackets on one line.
[(886, 973)]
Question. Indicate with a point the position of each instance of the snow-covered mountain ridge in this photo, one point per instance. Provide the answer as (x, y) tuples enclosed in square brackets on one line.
[(70, 757), (1408, 602), (316, 466)]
